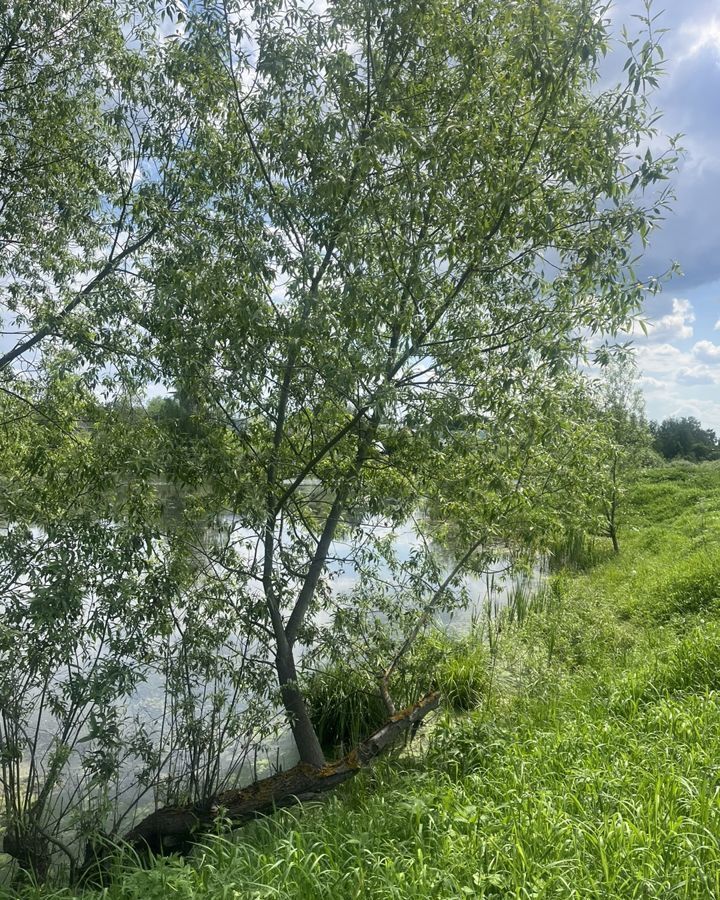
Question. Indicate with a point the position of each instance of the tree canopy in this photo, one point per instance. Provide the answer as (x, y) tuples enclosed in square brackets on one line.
[(366, 245), (685, 438)]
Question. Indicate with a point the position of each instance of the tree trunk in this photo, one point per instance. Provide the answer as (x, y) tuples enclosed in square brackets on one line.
[(612, 526), (612, 518), (30, 849), (385, 694), (303, 730), (173, 827)]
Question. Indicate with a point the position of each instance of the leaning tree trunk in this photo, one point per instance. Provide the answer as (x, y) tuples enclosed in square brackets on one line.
[(306, 739), (174, 827)]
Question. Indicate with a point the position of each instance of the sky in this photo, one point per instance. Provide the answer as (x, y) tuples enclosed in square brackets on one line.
[(679, 361)]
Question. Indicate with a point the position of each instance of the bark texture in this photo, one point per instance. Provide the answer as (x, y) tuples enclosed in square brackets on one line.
[(173, 827), (306, 740)]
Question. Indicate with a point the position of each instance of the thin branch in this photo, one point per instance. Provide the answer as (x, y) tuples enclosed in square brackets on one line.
[(109, 267)]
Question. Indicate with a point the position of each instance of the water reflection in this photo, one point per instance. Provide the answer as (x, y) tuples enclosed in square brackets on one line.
[(484, 592)]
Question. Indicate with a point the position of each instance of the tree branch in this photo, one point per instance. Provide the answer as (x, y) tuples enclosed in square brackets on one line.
[(46, 330)]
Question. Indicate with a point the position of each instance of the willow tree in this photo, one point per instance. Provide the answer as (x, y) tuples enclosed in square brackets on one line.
[(393, 218), (621, 410), (85, 138)]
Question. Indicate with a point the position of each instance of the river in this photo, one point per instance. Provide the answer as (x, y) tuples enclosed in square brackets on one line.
[(485, 595)]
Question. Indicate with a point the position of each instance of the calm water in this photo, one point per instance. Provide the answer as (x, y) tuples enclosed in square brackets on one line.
[(491, 591)]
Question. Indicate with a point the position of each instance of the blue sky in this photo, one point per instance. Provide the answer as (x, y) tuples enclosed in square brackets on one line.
[(680, 359)]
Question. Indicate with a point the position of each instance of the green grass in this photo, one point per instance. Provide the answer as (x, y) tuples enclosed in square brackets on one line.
[(345, 704), (594, 771)]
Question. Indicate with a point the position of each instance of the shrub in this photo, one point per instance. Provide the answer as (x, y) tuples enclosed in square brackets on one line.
[(463, 676), (345, 705)]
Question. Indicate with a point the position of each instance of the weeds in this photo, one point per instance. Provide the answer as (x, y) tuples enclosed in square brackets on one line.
[(345, 704)]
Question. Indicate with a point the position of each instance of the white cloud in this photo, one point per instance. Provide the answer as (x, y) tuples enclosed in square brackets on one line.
[(664, 364), (661, 359), (696, 375), (717, 325), (707, 351), (700, 36), (649, 383), (676, 324)]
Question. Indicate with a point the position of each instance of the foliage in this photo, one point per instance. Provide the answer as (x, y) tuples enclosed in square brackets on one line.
[(530, 484), (622, 409), (345, 704), (365, 245), (85, 182), (685, 438), (340, 249), (121, 675)]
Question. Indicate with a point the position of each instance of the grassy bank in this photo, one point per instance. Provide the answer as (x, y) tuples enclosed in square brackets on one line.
[(592, 769)]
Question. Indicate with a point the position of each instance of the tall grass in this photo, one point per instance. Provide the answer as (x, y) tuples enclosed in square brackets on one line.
[(598, 778), (345, 704), (577, 550), (567, 800)]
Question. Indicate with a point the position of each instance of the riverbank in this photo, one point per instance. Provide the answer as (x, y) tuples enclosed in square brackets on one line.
[(591, 769)]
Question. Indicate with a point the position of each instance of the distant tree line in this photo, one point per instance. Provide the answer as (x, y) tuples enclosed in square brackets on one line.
[(684, 438)]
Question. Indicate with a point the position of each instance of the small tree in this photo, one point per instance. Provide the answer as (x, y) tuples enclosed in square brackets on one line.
[(628, 447)]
